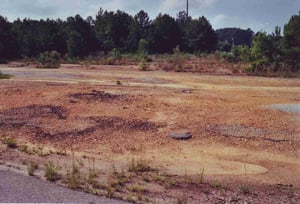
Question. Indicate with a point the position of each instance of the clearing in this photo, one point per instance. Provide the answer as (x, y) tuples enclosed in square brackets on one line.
[(105, 118)]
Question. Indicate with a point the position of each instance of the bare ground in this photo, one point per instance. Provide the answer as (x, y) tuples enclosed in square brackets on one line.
[(240, 151)]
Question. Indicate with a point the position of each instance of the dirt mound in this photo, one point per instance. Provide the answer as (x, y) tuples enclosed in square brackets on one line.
[(97, 96), (18, 117)]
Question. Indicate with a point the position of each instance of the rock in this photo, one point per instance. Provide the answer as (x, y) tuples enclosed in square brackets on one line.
[(184, 135)]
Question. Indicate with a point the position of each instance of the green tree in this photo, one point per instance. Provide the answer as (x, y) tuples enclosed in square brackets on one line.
[(165, 34), (199, 36), (113, 29), (81, 40), (292, 43), (8, 47)]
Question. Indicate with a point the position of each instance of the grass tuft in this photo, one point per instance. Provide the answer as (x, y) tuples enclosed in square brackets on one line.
[(51, 172), (31, 168)]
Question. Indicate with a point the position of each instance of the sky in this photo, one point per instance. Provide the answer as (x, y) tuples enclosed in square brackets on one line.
[(258, 15)]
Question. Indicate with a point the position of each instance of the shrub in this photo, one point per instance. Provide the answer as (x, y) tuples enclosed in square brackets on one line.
[(51, 172), (49, 60)]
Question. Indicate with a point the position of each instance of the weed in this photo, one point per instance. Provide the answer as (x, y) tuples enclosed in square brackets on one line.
[(73, 178), (11, 143), (110, 192), (25, 149), (182, 200), (119, 83), (62, 152), (140, 165), (41, 153), (200, 176), (246, 190), (170, 182), (80, 162), (5, 76), (136, 189), (143, 65), (51, 172), (91, 180), (130, 199), (31, 168), (158, 178)]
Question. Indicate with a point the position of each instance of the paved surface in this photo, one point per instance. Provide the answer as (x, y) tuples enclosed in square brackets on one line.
[(15, 188)]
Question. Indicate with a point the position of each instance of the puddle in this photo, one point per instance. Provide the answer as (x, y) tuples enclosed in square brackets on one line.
[(290, 108)]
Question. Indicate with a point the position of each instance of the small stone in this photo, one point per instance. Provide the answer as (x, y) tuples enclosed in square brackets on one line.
[(182, 135)]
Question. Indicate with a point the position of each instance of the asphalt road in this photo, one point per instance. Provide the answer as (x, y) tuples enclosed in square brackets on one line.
[(15, 188)]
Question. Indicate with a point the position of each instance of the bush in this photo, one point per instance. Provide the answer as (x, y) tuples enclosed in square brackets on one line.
[(49, 60)]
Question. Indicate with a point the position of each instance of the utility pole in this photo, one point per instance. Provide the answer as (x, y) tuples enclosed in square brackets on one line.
[(187, 7)]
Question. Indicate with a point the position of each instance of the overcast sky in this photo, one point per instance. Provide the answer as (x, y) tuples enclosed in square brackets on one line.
[(255, 14)]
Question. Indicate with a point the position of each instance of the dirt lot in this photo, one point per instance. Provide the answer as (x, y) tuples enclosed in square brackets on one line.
[(107, 117)]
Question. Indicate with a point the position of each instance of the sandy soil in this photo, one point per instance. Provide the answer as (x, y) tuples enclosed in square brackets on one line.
[(236, 139)]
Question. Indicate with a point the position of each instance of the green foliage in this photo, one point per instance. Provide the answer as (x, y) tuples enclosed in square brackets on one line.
[(51, 172), (241, 53), (49, 59), (8, 45), (235, 36), (198, 36), (292, 43), (166, 34)]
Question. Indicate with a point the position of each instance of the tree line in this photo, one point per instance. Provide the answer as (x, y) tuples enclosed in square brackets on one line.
[(276, 52), (78, 37)]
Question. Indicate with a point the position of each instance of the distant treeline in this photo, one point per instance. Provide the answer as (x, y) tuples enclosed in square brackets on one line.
[(80, 37), (76, 37)]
